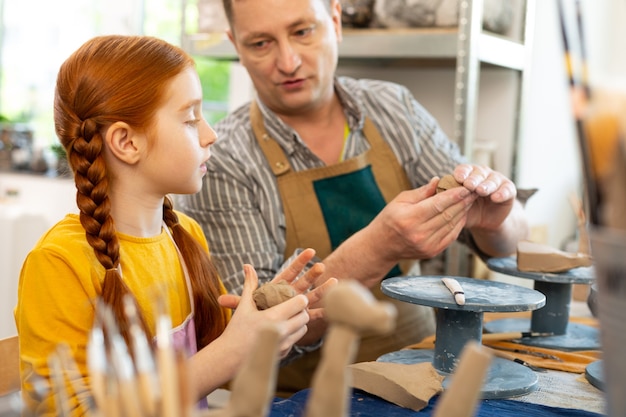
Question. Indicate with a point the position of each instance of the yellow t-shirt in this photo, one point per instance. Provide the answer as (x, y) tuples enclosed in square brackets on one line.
[(59, 283)]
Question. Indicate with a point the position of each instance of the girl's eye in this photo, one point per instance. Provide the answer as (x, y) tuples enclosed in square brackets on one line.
[(192, 122)]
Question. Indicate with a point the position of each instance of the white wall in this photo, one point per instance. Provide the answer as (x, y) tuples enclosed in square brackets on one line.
[(549, 158), (29, 205)]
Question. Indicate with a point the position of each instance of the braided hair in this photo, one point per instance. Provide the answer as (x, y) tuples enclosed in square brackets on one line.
[(124, 78)]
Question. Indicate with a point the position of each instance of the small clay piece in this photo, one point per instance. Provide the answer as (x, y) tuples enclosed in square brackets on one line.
[(446, 182), (537, 257), (407, 385), (272, 294), (523, 194)]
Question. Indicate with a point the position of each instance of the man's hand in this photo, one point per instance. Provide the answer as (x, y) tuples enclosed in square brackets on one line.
[(419, 224), (497, 195)]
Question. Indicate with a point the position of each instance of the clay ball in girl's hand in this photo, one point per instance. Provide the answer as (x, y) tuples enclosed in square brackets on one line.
[(272, 293)]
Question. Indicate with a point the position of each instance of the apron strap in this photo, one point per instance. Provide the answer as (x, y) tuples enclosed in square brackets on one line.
[(274, 154)]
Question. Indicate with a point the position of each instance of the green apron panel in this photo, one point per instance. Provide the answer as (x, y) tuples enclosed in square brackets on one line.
[(349, 202)]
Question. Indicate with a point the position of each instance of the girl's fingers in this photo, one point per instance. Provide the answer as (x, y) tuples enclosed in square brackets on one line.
[(289, 308), (229, 300), (251, 281)]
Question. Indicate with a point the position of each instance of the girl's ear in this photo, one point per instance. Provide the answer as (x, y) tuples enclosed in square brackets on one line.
[(124, 142)]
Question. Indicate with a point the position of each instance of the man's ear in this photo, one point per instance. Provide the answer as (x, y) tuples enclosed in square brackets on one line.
[(231, 37), (124, 142), (335, 14)]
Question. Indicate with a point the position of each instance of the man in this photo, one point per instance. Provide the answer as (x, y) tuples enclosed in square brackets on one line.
[(347, 167)]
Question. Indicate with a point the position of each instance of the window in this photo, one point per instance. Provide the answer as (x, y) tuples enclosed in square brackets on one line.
[(36, 36)]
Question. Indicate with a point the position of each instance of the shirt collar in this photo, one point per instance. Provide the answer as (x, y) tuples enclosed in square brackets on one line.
[(351, 105), (288, 137)]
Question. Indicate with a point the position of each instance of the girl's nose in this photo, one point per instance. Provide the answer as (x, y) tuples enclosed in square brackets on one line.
[(207, 134)]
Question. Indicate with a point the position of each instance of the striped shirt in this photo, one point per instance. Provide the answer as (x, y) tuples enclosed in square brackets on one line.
[(239, 206)]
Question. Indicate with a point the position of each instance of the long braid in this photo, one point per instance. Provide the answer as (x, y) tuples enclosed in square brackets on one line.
[(95, 215), (210, 318)]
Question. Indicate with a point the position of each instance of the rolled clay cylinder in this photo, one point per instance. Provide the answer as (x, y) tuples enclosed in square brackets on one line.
[(446, 182), (272, 293)]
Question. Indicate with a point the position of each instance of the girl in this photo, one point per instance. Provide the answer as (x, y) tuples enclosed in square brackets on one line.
[(128, 111)]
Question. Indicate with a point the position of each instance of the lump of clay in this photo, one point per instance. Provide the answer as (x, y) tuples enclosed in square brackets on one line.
[(410, 386), (272, 293), (446, 182), (537, 257)]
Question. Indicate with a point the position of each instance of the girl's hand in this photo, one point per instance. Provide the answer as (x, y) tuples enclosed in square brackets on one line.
[(302, 285), (290, 317)]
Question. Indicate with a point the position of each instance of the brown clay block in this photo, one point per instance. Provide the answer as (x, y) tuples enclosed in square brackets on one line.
[(446, 182), (537, 257)]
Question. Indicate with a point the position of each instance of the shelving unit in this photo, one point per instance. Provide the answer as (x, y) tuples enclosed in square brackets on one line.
[(467, 48)]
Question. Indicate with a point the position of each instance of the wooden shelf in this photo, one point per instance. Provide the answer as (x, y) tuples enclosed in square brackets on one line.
[(432, 44)]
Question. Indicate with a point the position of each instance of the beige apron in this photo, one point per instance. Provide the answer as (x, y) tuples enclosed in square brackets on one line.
[(306, 227)]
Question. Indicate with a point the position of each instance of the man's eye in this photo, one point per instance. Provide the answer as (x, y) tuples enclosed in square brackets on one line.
[(304, 32), (258, 44)]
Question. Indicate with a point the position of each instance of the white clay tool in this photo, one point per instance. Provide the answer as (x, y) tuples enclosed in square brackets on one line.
[(456, 290)]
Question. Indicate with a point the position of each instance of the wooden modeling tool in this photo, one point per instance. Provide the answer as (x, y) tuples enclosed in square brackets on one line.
[(350, 309), (253, 387), (511, 357), (494, 337), (456, 290), (460, 399)]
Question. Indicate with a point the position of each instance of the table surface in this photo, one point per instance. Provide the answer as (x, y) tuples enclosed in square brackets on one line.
[(558, 394), (566, 389), (365, 405)]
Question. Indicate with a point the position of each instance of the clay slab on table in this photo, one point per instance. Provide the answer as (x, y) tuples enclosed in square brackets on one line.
[(410, 386), (537, 257)]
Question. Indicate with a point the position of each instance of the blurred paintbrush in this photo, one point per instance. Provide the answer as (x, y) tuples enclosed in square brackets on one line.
[(580, 95)]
